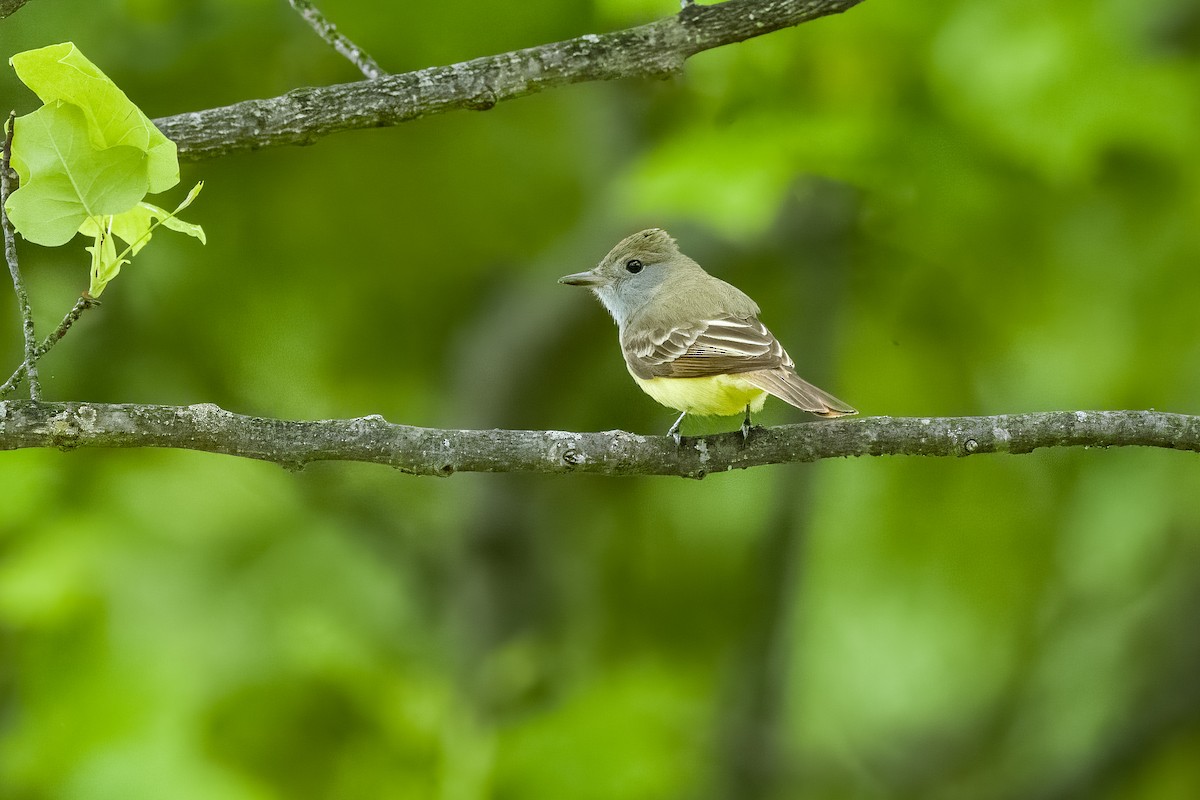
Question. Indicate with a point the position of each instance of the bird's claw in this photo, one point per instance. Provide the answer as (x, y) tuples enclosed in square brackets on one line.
[(674, 430), (746, 426)]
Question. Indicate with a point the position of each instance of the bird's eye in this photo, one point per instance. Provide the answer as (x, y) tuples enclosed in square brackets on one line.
[(634, 266)]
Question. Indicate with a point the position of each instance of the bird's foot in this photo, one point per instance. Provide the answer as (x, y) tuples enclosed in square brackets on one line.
[(674, 431), (746, 426)]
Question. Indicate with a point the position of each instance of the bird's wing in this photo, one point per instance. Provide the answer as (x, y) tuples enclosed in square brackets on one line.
[(709, 347)]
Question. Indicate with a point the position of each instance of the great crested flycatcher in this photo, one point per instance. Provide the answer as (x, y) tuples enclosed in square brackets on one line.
[(691, 341)]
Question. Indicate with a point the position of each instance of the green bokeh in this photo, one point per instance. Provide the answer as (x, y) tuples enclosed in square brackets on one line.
[(959, 207)]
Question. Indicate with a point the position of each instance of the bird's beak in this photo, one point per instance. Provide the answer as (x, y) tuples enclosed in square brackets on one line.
[(589, 278)]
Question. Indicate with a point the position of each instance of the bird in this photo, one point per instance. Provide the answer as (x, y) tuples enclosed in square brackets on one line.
[(691, 341)]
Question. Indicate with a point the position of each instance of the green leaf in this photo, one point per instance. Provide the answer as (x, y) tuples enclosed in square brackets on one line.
[(176, 224), (134, 227), (60, 72), (172, 220), (86, 160), (65, 178), (106, 264)]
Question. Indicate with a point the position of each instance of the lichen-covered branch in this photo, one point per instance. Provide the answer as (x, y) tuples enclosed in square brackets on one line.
[(335, 39), (10, 256), (659, 48), (9, 6), (85, 302), (429, 451)]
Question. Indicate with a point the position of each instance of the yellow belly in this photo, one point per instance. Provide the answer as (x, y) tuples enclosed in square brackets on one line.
[(718, 395)]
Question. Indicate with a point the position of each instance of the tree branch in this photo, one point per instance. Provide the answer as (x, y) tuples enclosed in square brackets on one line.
[(85, 302), (10, 255), (659, 48), (338, 41), (9, 6), (429, 451)]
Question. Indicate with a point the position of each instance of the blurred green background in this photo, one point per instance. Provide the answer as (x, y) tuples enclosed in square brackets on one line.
[(958, 207)]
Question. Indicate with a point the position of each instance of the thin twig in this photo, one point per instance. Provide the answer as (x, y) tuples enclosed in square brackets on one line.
[(85, 302), (13, 381), (430, 451), (10, 255), (338, 41)]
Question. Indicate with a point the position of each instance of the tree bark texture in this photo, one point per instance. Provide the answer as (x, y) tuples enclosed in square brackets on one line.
[(656, 49), (10, 6), (430, 451)]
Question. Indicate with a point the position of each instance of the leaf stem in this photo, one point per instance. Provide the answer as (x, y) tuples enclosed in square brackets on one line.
[(10, 255)]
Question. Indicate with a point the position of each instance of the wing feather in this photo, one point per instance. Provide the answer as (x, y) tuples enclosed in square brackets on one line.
[(727, 346), (722, 346)]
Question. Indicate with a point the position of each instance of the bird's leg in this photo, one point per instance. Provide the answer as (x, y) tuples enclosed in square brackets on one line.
[(674, 431), (746, 424)]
